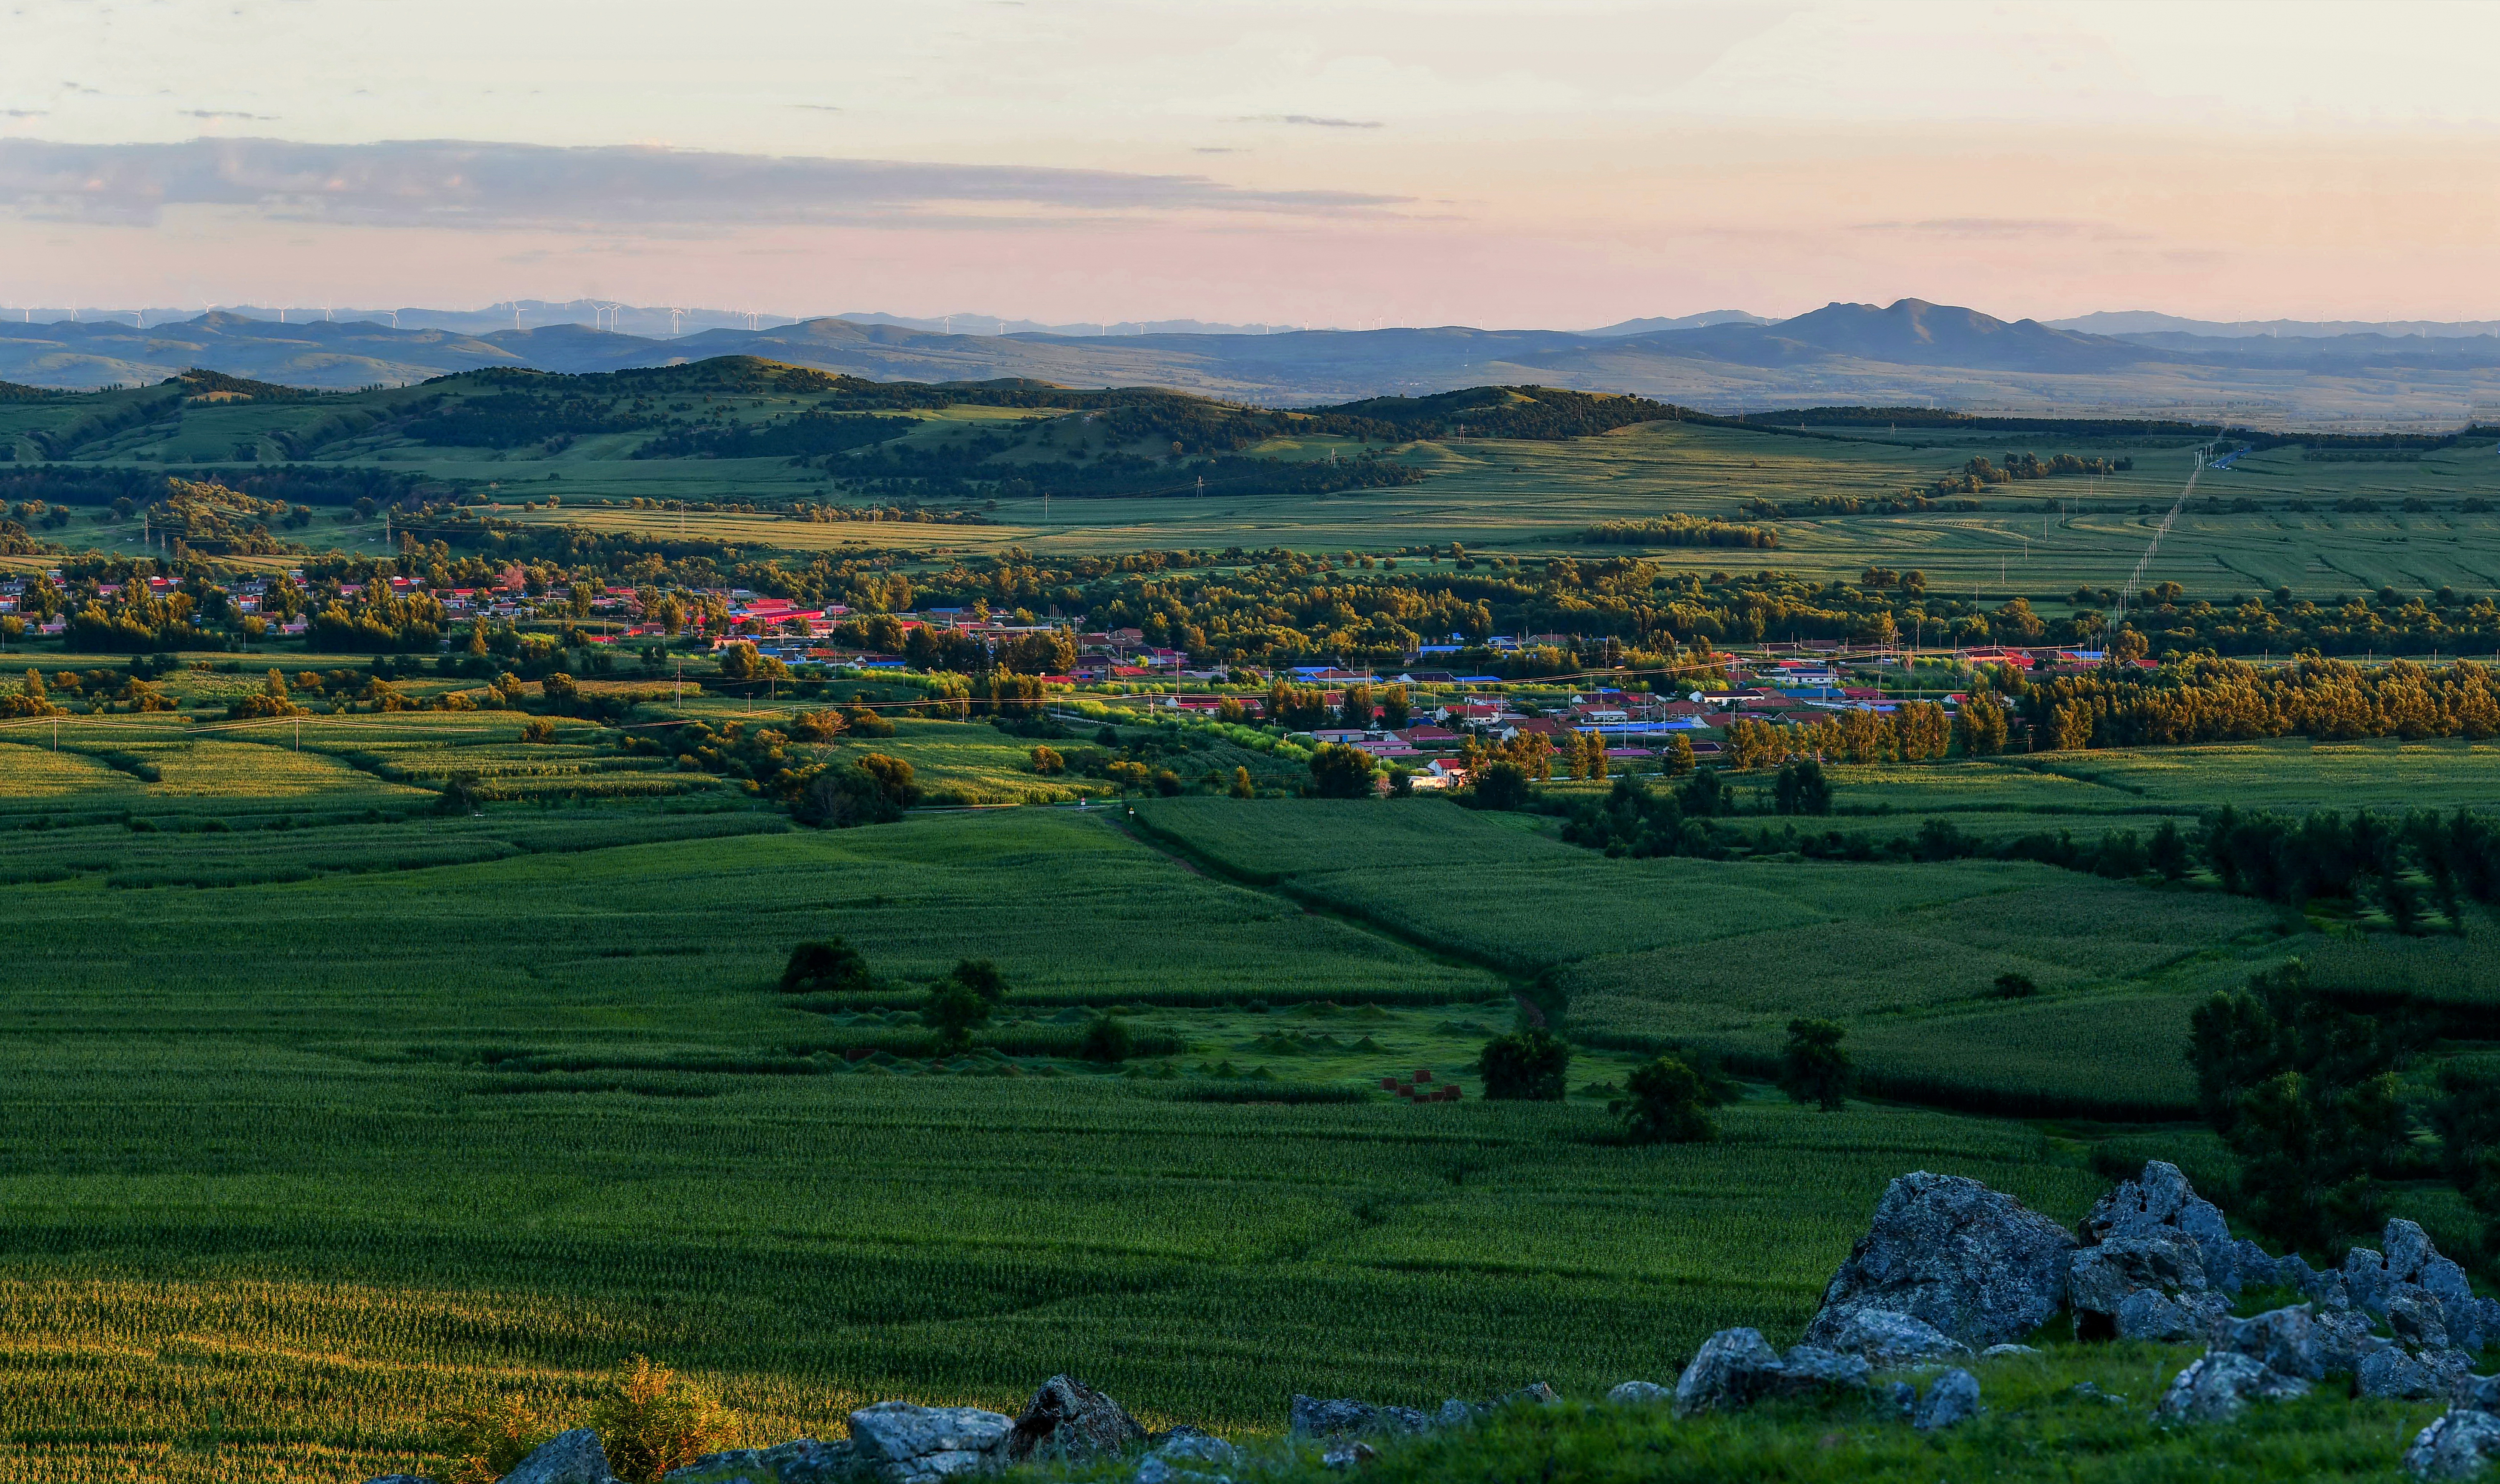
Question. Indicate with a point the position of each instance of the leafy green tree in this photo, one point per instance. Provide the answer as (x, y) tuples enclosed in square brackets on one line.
[(824, 966), (1342, 771), (1680, 760), (1705, 795), (955, 1011), (1813, 1066), (1242, 787), (1665, 1103), (1801, 788), (1982, 726), (1108, 1040), (1525, 1065), (1501, 785), (1397, 710)]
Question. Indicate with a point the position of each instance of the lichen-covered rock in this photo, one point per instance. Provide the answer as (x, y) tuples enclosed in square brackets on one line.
[(2460, 1444), (2281, 1340), (2393, 1373), (2144, 1287), (2476, 1394), (1344, 1417), (2007, 1352), (2416, 1270), (2149, 1314), (1195, 1446), (1887, 1337), (1155, 1469), (1953, 1398), (2160, 1205), (800, 1461), (1975, 1262), (2416, 1318), (568, 1458), (1347, 1455), (1639, 1394), (2345, 1340), (1808, 1369), (1737, 1367), (900, 1444), (1068, 1419), (1730, 1370), (2219, 1387)]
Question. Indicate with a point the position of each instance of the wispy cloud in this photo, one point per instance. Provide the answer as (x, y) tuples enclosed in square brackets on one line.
[(818, 107), (219, 112), (22, 113), (1314, 120), (462, 183), (2002, 228)]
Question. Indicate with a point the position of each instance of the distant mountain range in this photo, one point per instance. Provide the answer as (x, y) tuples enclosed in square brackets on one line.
[(1907, 352)]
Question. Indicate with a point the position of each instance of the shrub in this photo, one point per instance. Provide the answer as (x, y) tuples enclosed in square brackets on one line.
[(2015, 986), (651, 1422), (1813, 1067), (538, 729), (1665, 1105), (1526, 1065), (824, 967), (1108, 1039), (1047, 761), (487, 1442), (1343, 772)]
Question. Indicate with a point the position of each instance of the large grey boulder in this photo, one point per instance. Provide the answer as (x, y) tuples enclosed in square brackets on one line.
[(2345, 1340), (2283, 1339), (2142, 1287), (2160, 1205), (2219, 1387), (568, 1458), (2411, 1378), (1068, 1419), (1344, 1417), (1887, 1337), (801, 1461), (900, 1444), (1953, 1398), (2412, 1271), (1975, 1262), (2458, 1445), (1735, 1368), (2476, 1394)]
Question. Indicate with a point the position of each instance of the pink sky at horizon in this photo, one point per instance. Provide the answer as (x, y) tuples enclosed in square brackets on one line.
[(1565, 164)]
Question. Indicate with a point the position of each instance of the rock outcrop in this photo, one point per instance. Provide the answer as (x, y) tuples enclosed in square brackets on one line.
[(2460, 1444), (2410, 1277), (1953, 1398), (1344, 1417), (1971, 1262), (2142, 1287), (1737, 1367), (1068, 1419), (1887, 1337), (1639, 1394), (900, 1443), (2219, 1387), (568, 1458), (2159, 1205), (801, 1461)]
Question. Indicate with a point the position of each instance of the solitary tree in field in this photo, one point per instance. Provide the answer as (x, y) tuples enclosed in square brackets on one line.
[(828, 966), (1679, 756), (1664, 1103), (1526, 1065), (1813, 1066), (963, 1000), (1343, 772)]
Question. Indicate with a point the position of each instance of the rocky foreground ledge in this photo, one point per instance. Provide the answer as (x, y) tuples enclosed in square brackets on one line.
[(1950, 1273)]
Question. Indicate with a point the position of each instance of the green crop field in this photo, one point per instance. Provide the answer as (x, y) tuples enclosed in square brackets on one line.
[(360, 1066)]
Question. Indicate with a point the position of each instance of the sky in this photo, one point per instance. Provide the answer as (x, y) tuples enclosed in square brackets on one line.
[(1562, 163)]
